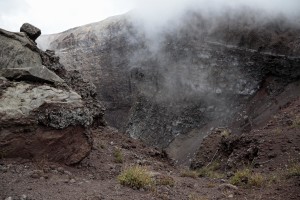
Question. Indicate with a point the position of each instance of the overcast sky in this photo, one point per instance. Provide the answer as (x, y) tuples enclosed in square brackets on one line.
[(53, 16)]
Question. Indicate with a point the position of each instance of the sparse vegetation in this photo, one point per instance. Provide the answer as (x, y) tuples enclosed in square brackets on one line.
[(225, 133), (2, 153), (278, 131), (41, 163), (257, 180), (99, 145), (294, 170), (136, 177), (274, 178), (246, 177), (189, 173), (227, 193), (196, 197), (210, 171), (118, 156), (165, 180), (211, 185), (296, 122)]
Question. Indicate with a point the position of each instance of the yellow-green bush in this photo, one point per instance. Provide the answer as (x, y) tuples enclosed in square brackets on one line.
[(136, 177)]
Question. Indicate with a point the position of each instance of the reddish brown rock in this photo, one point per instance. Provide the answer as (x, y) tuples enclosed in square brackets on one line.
[(68, 146)]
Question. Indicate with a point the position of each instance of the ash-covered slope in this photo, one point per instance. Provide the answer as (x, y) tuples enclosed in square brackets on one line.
[(183, 80)]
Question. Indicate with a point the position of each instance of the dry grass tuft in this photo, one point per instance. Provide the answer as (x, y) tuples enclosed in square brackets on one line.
[(136, 177), (210, 171), (294, 170), (296, 122), (189, 173), (118, 156), (246, 177), (165, 180), (196, 197)]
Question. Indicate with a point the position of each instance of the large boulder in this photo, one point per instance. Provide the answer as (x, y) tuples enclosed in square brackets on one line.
[(45, 111), (30, 30)]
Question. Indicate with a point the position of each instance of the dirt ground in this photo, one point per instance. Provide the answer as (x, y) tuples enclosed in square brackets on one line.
[(96, 176)]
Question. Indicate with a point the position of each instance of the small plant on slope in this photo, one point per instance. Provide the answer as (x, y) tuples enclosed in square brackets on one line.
[(294, 171), (189, 173), (136, 177), (246, 177), (118, 156), (210, 171)]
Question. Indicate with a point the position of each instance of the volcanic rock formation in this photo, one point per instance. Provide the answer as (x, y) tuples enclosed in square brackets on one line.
[(45, 111)]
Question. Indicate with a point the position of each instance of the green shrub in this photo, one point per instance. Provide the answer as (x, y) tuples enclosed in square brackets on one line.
[(136, 177)]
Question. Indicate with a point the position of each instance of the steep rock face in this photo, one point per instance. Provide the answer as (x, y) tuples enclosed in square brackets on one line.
[(200, 75), (101, 52), (41, 116)]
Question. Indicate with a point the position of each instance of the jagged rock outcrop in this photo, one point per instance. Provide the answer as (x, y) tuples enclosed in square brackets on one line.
[(200, 75), (45, 111)]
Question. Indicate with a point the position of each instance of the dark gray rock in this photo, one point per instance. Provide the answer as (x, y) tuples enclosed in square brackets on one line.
[(30, 30), (62, 116)]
